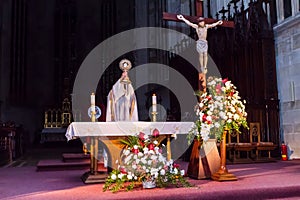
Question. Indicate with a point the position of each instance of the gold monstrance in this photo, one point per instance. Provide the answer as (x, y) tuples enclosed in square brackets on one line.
[(125, 66)]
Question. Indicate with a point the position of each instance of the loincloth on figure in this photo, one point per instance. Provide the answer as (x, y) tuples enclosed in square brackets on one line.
[(202, 46)]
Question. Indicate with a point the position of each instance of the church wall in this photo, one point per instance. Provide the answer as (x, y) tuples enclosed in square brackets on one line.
[(26, 63), (287, 41), (5, 36)]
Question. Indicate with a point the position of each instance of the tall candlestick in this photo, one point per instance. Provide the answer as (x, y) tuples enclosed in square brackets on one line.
[(154, 106), (93, 102)]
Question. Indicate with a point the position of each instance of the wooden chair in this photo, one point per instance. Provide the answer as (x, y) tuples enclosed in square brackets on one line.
[(255, 139), (239, 147)]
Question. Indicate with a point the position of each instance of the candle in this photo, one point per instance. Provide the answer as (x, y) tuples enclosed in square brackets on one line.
[(93, 109), (92, 99), (154, 108)]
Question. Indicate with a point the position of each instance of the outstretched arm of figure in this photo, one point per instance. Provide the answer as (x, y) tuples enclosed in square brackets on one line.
[(180, 17), (214, 24)]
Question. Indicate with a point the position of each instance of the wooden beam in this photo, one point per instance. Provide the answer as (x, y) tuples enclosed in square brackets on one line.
[(194, 19), (199, 8)]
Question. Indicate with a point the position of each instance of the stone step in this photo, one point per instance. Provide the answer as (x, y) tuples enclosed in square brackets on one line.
[(59, 165)]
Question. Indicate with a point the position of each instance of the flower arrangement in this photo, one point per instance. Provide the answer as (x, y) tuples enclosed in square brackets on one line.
[(219, 109), (143, 160)]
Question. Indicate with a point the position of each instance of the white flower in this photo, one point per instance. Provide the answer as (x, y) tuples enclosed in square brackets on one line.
[(236, 116), (155, 142), (175, 171), (146, 137), (134, 166), (113, 177), (129, 177), (145, 150), (140, 154), (182, 172), (128, 158), (232, 110), (126, 152), (208, 118), (151, 152), (120, 176), (135, 147), (143, 160), (153, 157), (162, 172)]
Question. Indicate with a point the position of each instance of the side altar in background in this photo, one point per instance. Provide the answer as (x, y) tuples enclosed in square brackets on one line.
[(56, 122)]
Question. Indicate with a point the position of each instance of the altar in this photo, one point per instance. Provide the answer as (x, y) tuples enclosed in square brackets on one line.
[(110, 133)]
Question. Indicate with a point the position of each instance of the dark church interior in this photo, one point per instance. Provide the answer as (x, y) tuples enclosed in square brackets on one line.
[(43, 44)]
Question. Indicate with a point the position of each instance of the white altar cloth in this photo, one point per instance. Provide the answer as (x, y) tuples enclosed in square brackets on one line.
[(84, 129)]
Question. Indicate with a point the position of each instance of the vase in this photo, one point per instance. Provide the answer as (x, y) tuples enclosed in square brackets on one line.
[(204, 159), (149, 184)]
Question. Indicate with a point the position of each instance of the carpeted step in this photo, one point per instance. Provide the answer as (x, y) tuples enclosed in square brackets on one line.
[(74, 157), (57, 165)]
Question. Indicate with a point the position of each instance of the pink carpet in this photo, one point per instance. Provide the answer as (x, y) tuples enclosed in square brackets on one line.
[(278, 180)]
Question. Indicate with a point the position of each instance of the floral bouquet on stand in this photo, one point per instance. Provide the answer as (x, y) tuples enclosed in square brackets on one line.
[(142, 162), (219, 109)]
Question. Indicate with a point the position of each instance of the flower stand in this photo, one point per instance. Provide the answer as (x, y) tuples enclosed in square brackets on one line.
[(204, 160), (222, 174)]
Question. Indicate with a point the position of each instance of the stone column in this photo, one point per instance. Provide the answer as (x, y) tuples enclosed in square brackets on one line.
[(280, 11)]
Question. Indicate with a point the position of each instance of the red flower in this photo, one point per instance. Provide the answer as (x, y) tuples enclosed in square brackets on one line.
[(142, 143), (218, 88), (204, 117), (135, 151), (225, 80), (176, 165), (123, 170), (142, 136), (155, 132), (151, 146)]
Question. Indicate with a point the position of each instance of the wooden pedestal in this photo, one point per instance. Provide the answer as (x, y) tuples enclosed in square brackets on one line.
[(222, 174), (89, 177), (204, 160)]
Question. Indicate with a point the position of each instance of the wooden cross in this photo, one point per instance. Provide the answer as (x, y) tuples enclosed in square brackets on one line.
[(194, 19)]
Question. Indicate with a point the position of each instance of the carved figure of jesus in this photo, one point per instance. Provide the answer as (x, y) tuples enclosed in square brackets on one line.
[(202, 46)]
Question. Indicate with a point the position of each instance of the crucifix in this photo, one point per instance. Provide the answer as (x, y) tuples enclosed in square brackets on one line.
[(205, 165), (201, 30)]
